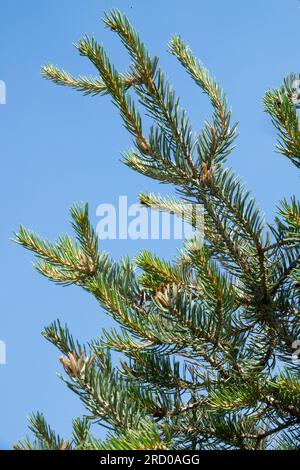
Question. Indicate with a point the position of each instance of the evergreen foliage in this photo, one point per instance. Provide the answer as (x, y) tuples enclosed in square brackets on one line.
[(207, 340)]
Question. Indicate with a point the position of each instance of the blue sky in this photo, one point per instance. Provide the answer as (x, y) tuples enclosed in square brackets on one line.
[(58, 147)]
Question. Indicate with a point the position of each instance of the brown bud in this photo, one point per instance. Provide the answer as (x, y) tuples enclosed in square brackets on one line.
[(278, 101), (18, 447), (144, 145), (159, 412), (65, 445), (206, 174), (86, 265), (163, 299), (73, 364)]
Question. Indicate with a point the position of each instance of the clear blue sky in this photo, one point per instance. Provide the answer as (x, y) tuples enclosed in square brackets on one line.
[(58, 147)]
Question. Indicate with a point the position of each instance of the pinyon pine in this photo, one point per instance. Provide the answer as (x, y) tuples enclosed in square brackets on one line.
[(207, 343)]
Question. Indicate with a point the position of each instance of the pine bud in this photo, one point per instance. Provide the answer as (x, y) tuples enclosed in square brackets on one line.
[(73, 364), (163, 299), (143, 145), (206, 174), (65, 445), (159, 412), (278, 101)]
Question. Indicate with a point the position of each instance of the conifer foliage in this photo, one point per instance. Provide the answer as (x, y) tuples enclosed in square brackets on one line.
[(206, 341)]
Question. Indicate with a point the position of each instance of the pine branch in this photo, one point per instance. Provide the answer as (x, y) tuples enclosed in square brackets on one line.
[(214, 144), (202, 337), (280, 104), (88, 85)]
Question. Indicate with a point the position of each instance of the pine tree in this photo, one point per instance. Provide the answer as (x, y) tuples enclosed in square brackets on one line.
[(206, 342)]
